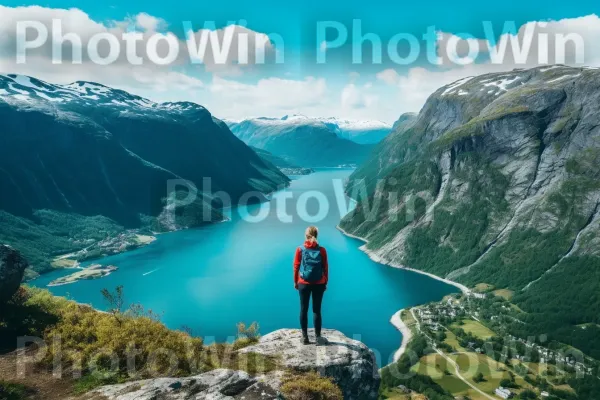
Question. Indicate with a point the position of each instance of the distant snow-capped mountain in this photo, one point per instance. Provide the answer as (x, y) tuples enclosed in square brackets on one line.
[(25, 90), (307, 142), (358, 131)]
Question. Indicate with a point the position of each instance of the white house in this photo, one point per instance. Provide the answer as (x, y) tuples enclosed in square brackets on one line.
[(503, 393)]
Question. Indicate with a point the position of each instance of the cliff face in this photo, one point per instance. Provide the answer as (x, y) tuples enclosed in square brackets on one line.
[(497, 180), (348, 362)]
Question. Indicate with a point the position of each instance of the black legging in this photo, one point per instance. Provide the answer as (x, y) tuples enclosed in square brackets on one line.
[(317, 292)]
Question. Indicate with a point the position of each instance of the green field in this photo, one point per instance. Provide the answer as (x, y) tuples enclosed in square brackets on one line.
[(435, 366), (477, 329), (453, 341), (409, 321), (504, 293), (471, 364)]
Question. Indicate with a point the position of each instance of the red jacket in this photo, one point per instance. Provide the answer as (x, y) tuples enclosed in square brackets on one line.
[(298, 260)]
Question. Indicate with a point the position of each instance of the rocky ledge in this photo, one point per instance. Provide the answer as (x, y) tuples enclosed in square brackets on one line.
[(348, 362), (219, 384), (12, 268)]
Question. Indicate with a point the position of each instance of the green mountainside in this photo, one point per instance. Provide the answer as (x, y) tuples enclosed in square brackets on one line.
[(497, 181), (83, 161)]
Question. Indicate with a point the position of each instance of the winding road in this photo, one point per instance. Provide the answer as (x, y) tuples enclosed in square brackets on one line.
[(451, 361)]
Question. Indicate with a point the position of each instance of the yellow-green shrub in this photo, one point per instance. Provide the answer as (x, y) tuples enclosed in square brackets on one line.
[(103, 343), (93, 340), (247, 335), (309, 386)]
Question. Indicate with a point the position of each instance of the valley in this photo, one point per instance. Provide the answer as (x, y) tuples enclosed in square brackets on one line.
[(310, 142), (492, 190), (97, 163), (193, 270)]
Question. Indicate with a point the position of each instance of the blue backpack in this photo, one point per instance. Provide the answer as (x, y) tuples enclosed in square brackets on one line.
[(311, 268)]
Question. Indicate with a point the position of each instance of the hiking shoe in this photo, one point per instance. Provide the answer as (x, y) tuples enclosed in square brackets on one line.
[(321, 341), (305, 340)]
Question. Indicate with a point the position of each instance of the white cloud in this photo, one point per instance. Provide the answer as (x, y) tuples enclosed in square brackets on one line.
[(247, 48), (416, 84), (393, 92), (268, 97), (389, 76), (148, 22), (147, 77), (355, 97), (353, 76), (455, 50)]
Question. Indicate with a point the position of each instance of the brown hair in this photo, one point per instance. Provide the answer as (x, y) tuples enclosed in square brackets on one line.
[(311, 233)]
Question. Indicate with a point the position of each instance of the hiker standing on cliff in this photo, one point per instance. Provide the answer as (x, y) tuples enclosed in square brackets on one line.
[(311, 273)]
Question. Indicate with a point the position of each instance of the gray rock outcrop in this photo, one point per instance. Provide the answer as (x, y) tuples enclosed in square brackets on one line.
[(12, 268), (220, 384), (348, 362)]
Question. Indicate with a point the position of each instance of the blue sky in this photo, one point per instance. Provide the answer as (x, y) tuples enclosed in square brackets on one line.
[(336, 88)]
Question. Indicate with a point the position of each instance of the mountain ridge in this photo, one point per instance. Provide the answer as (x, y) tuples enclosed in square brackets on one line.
[(497, 181), (85, 150), (359, 131), (303, 141)]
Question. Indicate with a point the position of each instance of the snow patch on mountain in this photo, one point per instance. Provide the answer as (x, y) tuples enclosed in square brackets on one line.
[(359, 131), (36, 92)]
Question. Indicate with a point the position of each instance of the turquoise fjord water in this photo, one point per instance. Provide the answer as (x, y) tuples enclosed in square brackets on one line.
[(209, 279)]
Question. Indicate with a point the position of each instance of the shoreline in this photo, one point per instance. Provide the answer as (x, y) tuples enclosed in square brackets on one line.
[(380, 260), (396, 319)]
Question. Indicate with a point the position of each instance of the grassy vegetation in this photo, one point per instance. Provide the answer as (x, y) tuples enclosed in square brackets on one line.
[(13, 391), (477, 329), (100, 344), (493, 372), (452, 340), (435, 366), (50, 233), (483, 287), (400, 373), (409, 321), (504, 293), (309, 386)]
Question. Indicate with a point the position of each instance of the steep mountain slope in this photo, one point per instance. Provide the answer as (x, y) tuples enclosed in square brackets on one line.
[(89, 150), (284, 166), (497, 180), (300, 140), (277, 161)]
